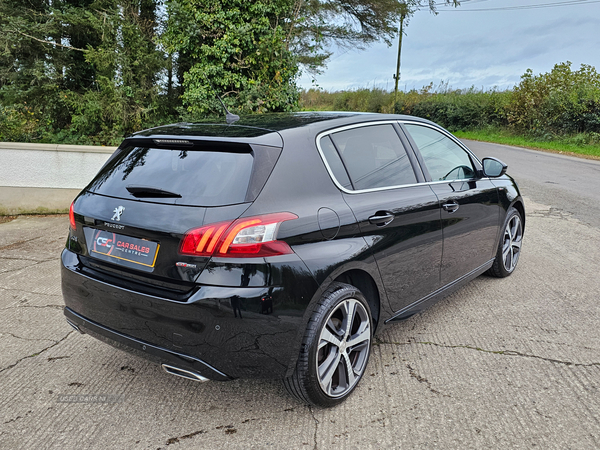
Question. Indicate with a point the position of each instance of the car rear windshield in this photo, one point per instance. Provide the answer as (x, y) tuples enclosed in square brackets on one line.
[(184, 177)]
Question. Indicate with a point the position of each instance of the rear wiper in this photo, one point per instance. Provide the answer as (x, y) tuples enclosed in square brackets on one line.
[(150, 192)]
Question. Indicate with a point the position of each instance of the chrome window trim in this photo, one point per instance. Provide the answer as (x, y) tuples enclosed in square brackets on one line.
[(386, 188)]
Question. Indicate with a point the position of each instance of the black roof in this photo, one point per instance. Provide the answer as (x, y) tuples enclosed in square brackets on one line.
[(262, 128), (248, 126)]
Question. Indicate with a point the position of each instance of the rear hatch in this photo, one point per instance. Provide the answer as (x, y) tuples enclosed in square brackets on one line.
[(133, 215)]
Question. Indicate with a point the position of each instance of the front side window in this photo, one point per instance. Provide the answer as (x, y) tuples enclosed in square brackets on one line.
[(373, 157), (444, 158)]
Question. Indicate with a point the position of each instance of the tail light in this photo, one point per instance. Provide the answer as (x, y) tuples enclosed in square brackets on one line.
[(250, 237), (72, 222)]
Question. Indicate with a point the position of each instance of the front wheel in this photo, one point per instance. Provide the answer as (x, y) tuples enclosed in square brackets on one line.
[(335, 349), (509, 249)]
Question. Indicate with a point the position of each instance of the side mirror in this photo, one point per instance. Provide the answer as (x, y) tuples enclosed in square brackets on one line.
[(493, 167)]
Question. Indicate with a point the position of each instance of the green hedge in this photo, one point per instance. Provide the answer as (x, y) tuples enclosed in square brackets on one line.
[(562, 103), (458, 110), (556, 104)]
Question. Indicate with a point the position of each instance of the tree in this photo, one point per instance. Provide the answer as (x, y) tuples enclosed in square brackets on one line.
[(82, 69), (251, 51), (127, 65), (26, 62), (314, 26), (235, 47), (95, 70)]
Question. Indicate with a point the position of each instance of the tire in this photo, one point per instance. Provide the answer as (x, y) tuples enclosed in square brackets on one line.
[(331, 345), (509, 248)]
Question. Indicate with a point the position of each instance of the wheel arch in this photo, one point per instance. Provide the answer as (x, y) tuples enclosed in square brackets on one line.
[(365, 283), (357, 275), (518, 205)]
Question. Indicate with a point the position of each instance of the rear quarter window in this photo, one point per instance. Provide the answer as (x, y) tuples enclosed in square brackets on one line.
[(200, 178)]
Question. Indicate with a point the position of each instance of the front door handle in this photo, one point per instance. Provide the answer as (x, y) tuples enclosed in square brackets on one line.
[(451, 207), (381, 218)]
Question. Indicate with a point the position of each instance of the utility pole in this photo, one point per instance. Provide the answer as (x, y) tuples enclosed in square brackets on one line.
[(397, 76)]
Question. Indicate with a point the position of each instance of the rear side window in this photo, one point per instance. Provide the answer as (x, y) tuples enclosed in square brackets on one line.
[(185, 177), (374, 157)]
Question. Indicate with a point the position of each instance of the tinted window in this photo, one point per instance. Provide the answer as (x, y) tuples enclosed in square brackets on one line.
[(444, 158), (334, 162), (201, 178), (374, 157)]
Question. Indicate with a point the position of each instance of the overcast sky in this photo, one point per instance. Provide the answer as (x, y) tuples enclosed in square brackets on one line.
[(484, 49)]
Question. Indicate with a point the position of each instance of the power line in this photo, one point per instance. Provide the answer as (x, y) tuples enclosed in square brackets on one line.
[(443, 4), (518, 7), (462, 1)]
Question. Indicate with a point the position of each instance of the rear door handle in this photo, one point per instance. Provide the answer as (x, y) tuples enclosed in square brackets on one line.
[(451, 207), (381, 218)]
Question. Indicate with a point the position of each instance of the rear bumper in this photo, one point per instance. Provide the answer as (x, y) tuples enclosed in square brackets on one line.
[(144, 349), (219, 332)]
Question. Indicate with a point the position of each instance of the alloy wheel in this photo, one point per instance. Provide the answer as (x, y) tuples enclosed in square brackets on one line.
[(513, 237), (344, 345)]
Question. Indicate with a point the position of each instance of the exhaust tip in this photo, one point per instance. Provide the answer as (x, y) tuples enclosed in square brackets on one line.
[(75, 326), (178, 372)]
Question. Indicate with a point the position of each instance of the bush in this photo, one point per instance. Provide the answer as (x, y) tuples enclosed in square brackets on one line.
[(365, 100), (18, 123), (454, 109), (561, 102), (369, 100)]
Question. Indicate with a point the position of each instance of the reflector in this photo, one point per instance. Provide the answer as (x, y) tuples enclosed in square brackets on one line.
[(72, 222)]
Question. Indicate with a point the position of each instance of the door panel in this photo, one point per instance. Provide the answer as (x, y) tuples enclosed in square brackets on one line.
[(408, 249), (470, 231), (470, 210)]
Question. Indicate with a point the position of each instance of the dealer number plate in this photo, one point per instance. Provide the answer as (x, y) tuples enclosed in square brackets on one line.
[(120, 249)]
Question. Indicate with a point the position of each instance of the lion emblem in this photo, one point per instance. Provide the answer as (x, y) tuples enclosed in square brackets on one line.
[(117, 213)]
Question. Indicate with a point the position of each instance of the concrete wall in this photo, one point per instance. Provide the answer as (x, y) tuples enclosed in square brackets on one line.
[(45, 177)]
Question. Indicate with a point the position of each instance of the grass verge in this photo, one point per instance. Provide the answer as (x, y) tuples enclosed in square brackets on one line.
[(4, 219), (565, 145), (10, 218), (40, 211)]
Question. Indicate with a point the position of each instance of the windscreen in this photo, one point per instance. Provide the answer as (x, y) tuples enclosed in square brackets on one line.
[(183, 177)]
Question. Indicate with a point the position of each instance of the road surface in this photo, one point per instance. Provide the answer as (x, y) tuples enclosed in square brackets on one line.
[(569, 184)]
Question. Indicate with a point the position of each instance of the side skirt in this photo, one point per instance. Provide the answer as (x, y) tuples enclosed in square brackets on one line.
[(442, 292)]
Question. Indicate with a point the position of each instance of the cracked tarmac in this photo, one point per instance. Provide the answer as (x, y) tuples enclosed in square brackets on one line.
[(511, 363)]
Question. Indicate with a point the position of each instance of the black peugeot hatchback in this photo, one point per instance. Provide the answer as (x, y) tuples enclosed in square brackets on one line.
[(278, 245)]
